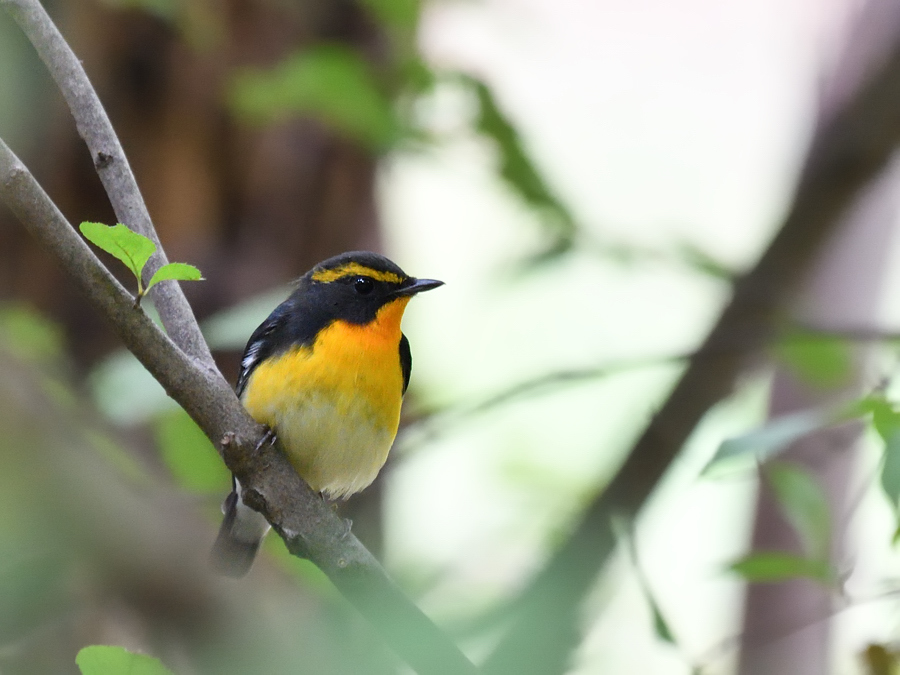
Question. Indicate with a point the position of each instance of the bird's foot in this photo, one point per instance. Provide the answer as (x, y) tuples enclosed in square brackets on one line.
[(268, 437)]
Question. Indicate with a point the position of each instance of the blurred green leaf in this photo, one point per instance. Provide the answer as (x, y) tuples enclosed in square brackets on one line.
[(402, 14), (188, 453), (125, 391), (890, 471), (131, 248), (819, 360), (700, 260), (624, 531), (330, 83), (28, 334), (768, 441), (518, 169), (175, 271), (804, 505), (885, 419), (773, 566), (104, 660), (660, 625), (886, 422)]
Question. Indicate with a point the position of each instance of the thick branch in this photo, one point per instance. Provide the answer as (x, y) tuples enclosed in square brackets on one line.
[(310, 528), (110, 162), (848, 151)]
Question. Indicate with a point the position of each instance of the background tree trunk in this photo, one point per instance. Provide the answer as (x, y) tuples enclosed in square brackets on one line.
[(787, 625)]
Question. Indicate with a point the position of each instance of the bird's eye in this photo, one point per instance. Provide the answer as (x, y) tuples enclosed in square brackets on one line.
[(363, 285)]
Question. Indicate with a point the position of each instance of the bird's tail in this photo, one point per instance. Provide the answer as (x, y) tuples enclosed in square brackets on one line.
[(240, 536)]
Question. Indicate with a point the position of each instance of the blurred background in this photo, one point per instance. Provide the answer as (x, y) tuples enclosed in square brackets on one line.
[(586, 177)]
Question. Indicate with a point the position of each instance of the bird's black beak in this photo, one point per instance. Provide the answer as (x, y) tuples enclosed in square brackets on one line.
[(412, 286)]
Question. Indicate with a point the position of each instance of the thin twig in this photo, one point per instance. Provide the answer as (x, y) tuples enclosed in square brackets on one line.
[(728, 644), (431, 423)]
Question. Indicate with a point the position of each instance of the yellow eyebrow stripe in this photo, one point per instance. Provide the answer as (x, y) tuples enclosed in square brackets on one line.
[(355, 269)]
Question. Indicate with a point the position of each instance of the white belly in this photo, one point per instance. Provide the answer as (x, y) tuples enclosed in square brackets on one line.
[(336, 447)]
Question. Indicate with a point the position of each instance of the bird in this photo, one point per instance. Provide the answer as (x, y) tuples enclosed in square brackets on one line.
[(325, 373)]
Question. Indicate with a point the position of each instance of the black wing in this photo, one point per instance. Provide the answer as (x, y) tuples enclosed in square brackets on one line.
[(405, 360), (265, 341)]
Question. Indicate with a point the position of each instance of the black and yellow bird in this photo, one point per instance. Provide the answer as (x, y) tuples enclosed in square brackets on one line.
[(325, 372)]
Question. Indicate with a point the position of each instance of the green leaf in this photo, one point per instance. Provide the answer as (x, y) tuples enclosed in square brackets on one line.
[(131, 248), (702, 261), (624, 531), (819, 360), (188, 453), (885, 418), (660, 625), (768, 441), (774, 566), (804, 505), (330, 83), (103, 660), (886, 421), (398, 13), (29, 334), (126, 392), (175, 271), (890, 471), (518, 170)]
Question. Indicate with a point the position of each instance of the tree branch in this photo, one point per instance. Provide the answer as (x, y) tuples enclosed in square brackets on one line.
[(849, 149), (111, 164), (310, 528)]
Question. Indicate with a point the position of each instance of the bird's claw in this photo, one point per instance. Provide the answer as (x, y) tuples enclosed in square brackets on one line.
[(268, 437)]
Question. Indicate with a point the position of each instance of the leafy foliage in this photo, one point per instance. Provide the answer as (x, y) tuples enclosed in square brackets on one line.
[(518, 170), (329, 83), (821, 360), (402, 14), (175, 271), (130, 247), (28, 334), (804, 505), (190, 456), (104, 660), (886, 422), (774, 566), (768, 441), (135, 250)]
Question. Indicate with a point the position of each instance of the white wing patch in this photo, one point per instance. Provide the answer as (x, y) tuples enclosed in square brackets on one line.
[(251, 355)]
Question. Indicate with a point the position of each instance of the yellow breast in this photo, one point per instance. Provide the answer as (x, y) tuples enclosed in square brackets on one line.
[(335, 405)]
